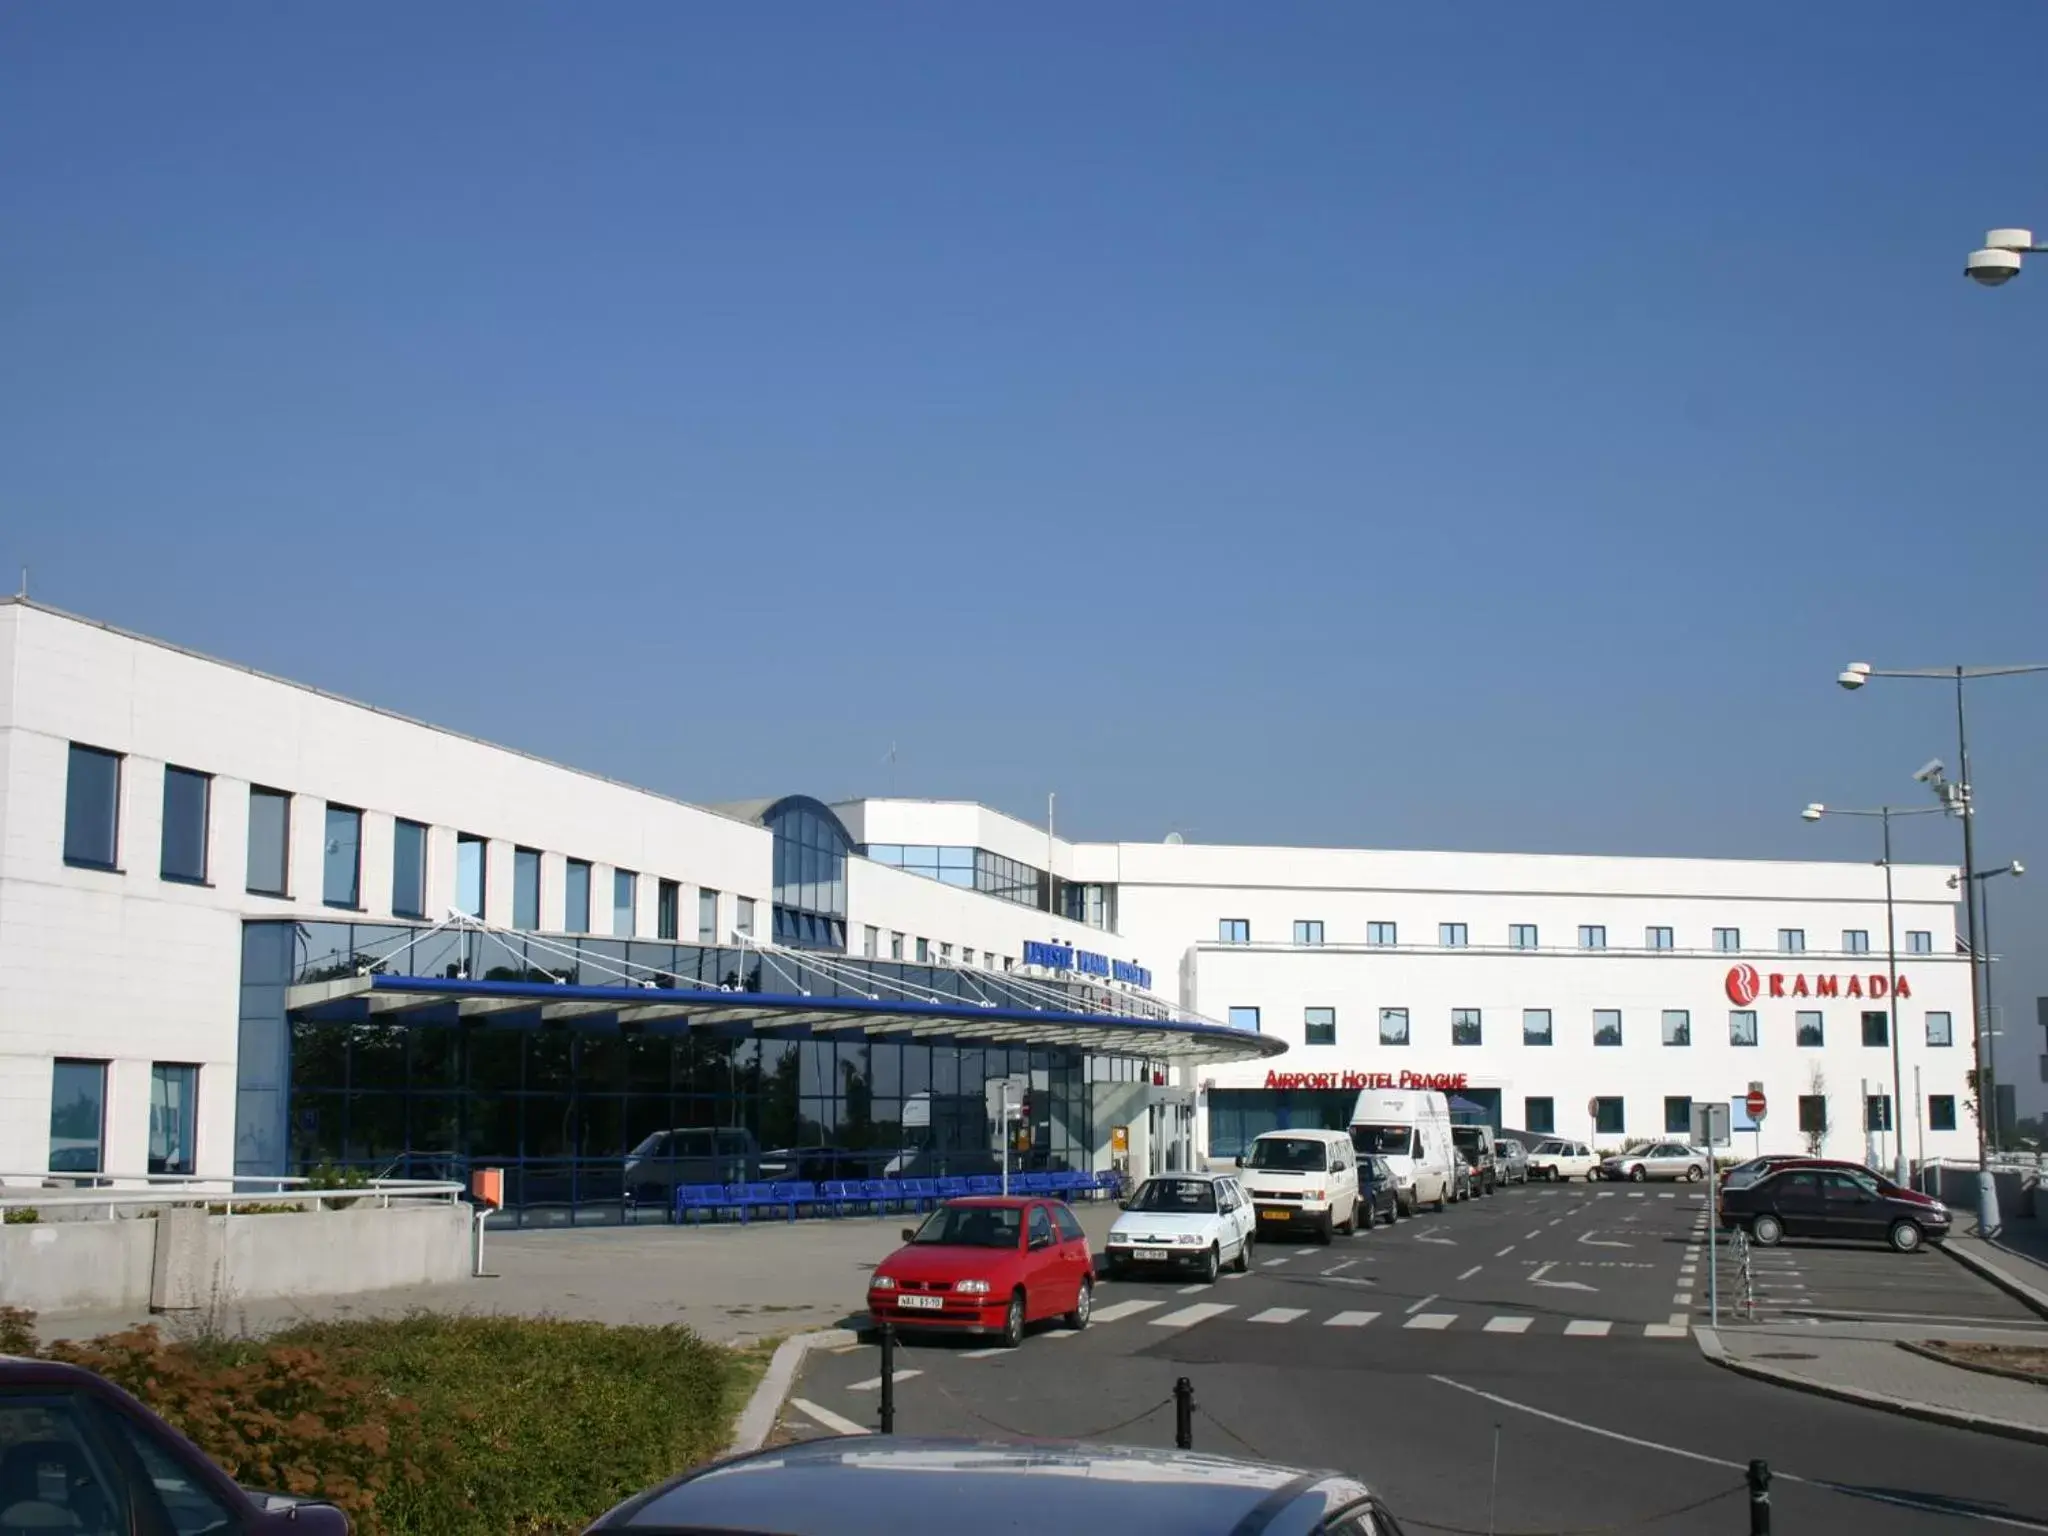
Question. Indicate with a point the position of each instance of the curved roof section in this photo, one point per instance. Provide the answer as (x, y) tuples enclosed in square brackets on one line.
[(763, 812)]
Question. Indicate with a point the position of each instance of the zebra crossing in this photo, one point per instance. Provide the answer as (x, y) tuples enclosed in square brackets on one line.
[(1158, 1314)]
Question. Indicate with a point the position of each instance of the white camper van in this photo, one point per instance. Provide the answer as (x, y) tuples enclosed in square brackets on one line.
[(1411, 1129)]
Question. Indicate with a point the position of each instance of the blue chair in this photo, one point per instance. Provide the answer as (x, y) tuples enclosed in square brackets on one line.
[(1110, 1183), (1032, 1184), (877, 1193), (984, 1184), (921, 1194), (692, 1200), (952, 1187), (837, 1194), (748, 1198), (1072, 1184), (801, 1192)]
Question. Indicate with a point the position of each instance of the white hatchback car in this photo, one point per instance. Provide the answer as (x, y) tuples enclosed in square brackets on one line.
[(1182, 1221), (1562, 1160)]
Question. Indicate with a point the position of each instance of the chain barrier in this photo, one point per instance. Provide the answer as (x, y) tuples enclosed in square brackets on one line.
[(1039, 1434), (1635, 1523)]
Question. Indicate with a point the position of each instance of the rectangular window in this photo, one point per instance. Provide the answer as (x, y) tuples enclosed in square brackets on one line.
[(1607, 1117), (576, 896), (1535, 1028), (924, 952), (471, 858), (1813, 1114), (871, 942), (1877, 1112), (408, 869), (1592, 936), (1677, 1115), (1233, 930), (1657, 938), (78, 1105), (896, 946), (1380, 933), (1742, 1026), (1939, 1029), (625, 896), (1919, 941), (1855, 941), (188, 796), (1245, 1019), (341, 863), (92, 807), (1539, 1116), (1451, 935), (1678, 1028), (1607, 1026), (173, 1118), (1809, 1028), (707, 916), (1465, 1026), (1319, 1026), (1521, 936), (1393, 1026), (1728, 940), (945, 954), (745, 921), (1791, 941), (270, 841), (668, 911), (1941, 1112), (967, 956), (1308, 931), (1877, 1027), (526, 889)]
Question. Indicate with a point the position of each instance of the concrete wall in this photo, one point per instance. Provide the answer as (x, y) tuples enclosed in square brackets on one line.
[(77, 1266)]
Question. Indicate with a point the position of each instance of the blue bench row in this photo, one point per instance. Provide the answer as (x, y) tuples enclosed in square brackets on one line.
[(878, 1196)]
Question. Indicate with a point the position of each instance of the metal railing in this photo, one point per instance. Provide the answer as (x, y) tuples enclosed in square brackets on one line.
[(87, 1196)]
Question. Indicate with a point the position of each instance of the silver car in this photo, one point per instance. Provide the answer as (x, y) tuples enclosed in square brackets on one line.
[(1657, 1160), (1511, 1162)]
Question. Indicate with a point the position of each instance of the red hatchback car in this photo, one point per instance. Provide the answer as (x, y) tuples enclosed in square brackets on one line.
[(988, 1265)]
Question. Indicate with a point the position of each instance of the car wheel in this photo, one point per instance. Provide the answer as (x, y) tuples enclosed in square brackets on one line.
[(1327, 1229), (1637, 1174), (1906, 1236), (1766, 1230), (1084, 1305), (1694, 1174), (1111, 1270), (1212, 1265), (1243, 1261), (1441, 1201), (1013, 1321)]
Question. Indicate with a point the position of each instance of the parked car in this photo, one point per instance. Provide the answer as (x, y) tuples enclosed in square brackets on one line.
[(1461, 1179), (987, 1265), (1657, 1160), (863, 1486), (1475, 1146), (1558, 1159), (1303, 1179), (1756, 1167), (79, 1455), (1379, 1191), (1848, 1205), (1189, 1221), (1511, 1160)]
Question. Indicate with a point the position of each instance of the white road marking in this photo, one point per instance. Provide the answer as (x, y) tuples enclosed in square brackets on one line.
[(1682, 1299), (1532, 1236), (1303, 1253), (1555, 1220), (1635, 1194), (1350, 1280), (1664, 1330), (1471, 1272), (1191, 1290), (1424, 1237), (1124, 1309), (873, 1383), (1422, 1303), (1334, 1268), (1436, 1322), (1278, 1315), (1233, 1275), (1536, 1278), (983, 1354), (1269, 1263), (1349, 1319), (1187, 1317), (1507, 1325), (1677, 1319), (1667, 1197), (826, 1418), (1505, 1251), (1600, 1242), (1587, 1328)]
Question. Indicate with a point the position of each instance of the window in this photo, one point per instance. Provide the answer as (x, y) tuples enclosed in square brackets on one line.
[(78, 1100), (173, 1118), (576, 896), (188, 1508), (187, 799), (1728, 940), (967, 956), (1380, 933), (270, 839), (1742, 1026), (1539, 1116), (924, 952), (1809, 1028), (1233, 930), (1319, 1026), (1245, 1018), (895, 946), (1939, 1029), (1791, 941), (945, 954), (1658, 938), (408, 869), (1813, 1114), (341, 864), (1677, 1115), (1877, 1112), (1535, 1027), (625, 896), (1465, 1029), (1607, 1117), (92, 807), (668, 911), (471, 859), (707, 917), (1855, 941), (745, 922), (1308, 932), (1941, 1112), (1592, 936), (1451, 935), (1521, 935), (1877, 1027), (871, 941), (1393, 1026), (526, 888), (1607, 1026), (1919, 941), (1678, 1031)]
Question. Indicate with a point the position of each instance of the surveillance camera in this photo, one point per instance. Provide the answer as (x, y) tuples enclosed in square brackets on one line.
[(1991, 267), (1929, 772)]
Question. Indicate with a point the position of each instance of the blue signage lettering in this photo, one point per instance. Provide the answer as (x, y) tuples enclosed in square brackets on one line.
[(1064, 957)]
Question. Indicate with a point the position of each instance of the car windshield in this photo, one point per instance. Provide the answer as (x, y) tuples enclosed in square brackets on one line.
[(1470, 1141), (1383, 1140), (1291, 1154), (1504, 1149), (971, 1226), (1185, 1197), (1550, 1146)]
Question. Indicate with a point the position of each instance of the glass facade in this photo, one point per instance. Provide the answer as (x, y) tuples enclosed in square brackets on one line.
[(1007, 879), (668, 910), (187, 799), (625, 893), (341, 866), (409, 869), (575, 896), (471, 858), (92, 807), (526, 889), (1238, 1115), (173, 1117), (1319, 1026), (78, 1107), (270, 840)]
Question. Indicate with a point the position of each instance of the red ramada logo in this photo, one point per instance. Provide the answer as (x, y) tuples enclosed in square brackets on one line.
[(1743, 985)]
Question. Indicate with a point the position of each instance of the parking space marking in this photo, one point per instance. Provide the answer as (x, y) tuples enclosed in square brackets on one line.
[(1191, 1290), (1664, 1330), (1471, 1272), (1587, 1328), (1187, 1317), (1532, 1236), (1238, 1274), (1303, 1253), (1507, 1325), (983, 1354), (874, 1383), (1434, 1321), (1349, 1319), (827, 1419), (1269, 1263), (1422, 1303), (1676, 1319), (1345, 1264), (1124, 1309), (1635, 1194), (1278, 1315), (1682, 1299), (1505, 1251)]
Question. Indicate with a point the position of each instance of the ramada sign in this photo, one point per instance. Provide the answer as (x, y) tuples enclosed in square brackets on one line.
[(1448, 1082), (1745, 986)]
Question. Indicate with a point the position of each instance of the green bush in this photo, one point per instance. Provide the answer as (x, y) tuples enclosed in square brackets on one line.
[(22, 1216)]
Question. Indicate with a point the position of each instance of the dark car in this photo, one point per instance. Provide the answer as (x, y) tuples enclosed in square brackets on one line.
[(1379, 1192), (1848, 1205), (79, 1455), (856, 1486), (1475, 1146)]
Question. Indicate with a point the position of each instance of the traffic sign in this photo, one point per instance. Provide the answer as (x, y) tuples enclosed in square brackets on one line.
[(1754, 1104), (1592, 1109)]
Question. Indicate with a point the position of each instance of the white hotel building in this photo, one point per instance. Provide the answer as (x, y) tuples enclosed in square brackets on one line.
[(230, 942)]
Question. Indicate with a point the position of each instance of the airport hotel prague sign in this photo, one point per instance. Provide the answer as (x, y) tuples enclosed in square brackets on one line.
[(1064, 957), (1446, 1082), (1745, 985)]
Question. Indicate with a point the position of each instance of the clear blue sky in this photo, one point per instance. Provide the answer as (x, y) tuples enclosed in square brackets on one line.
[(1467, 426)]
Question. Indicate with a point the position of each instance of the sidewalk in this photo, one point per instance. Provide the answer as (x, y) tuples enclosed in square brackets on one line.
[(2016, 1260)]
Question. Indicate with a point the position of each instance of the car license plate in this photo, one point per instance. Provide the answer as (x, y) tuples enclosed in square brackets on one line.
[(921, 1303), (1150, 1255), (1273, 1215)]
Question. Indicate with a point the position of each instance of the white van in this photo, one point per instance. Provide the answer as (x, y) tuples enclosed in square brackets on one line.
[(1411, 1129), (1302, 1179)]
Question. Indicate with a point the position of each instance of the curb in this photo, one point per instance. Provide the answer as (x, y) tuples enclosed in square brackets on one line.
[(1711, 1347), (757, 1420), (2033, 1300), (1982, 1368)]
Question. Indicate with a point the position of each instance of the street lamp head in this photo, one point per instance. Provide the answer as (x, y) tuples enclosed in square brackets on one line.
[(1814, 812), (2017, 868), (1855, 675), (1992, 268), (1929, 772)]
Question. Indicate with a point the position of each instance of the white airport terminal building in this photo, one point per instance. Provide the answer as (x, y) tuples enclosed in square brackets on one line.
[(250, 927)]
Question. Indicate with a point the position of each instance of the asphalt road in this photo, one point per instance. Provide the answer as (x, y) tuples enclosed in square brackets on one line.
[(1543, 1331)]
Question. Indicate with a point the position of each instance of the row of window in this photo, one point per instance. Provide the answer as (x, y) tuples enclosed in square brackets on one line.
[(871, 948), (1539, 1115), (78, 1117), (1319, 1026), (1791, 941)]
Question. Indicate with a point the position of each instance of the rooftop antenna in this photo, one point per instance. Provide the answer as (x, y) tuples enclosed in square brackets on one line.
[(24, 583), (890, 759)]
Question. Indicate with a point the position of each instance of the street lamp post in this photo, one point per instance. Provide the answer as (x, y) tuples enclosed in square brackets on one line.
[(1956, 797), (1990, 997), (2002, 254), (1884, 814)]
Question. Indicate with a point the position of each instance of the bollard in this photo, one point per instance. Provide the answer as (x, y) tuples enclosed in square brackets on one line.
[(1759, 1498), (1184, 1414), (888, 1378)]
